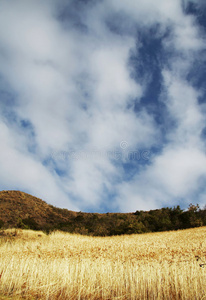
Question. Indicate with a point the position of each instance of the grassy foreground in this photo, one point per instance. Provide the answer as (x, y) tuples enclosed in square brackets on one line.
[(65, 266)]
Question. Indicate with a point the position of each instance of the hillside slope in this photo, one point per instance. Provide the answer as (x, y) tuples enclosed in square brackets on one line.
[(21, 210), (18, 208)]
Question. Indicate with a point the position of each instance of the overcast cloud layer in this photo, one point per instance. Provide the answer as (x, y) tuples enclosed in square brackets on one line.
[(102, 103)]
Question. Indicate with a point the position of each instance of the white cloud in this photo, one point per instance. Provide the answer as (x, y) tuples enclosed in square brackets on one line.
[(75, 88), (178, 171), (175, 174), (21, 170), (149, 12), (182, 103)]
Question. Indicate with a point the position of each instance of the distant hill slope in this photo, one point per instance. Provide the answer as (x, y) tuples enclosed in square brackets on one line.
[(16, 206), (21, 210)]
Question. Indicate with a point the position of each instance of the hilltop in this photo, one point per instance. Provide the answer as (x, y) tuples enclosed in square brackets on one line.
[(18, 209), (21, 210)]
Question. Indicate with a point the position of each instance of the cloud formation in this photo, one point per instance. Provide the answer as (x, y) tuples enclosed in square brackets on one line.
[(86, 77)]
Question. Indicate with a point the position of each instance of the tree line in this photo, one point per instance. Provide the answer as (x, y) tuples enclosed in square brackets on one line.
[(164, 219)]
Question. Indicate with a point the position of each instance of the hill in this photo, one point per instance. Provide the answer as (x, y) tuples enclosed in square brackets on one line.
[(21, 210), (18, 209)]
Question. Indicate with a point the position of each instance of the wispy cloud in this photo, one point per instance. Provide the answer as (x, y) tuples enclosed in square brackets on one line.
[(85, 76)]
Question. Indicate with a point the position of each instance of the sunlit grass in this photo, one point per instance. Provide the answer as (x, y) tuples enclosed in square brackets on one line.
[(34, 265)]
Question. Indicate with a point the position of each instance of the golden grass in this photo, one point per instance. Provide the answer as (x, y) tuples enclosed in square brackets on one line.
[(65, 266)]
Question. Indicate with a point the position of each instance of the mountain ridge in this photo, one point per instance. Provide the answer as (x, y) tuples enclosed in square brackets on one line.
[(21, 210)]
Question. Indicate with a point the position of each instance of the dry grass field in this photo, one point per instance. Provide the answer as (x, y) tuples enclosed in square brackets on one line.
[(65, 266)]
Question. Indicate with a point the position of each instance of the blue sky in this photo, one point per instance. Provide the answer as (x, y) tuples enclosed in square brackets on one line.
[(103, 103)]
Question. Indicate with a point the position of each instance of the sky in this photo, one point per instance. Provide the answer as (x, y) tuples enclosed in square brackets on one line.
[(103, 102)]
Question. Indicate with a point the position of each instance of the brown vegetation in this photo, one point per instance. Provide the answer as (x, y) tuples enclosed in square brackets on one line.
[(21, 210), (16, 206)]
